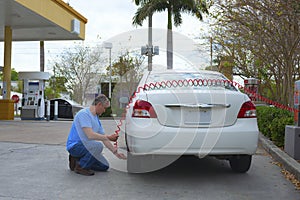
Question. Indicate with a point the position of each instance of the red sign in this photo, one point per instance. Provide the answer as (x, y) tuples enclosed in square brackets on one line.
[(15, 98)]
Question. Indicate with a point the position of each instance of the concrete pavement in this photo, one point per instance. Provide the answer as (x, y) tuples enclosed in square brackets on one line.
[(287, 162), (37, 150), (56, 133)]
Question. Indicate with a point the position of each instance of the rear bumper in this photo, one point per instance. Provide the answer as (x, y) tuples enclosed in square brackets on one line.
[(147, 136)]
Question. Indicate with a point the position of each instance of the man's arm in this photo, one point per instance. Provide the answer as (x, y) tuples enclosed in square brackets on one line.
[(106, 139), (92, 135)]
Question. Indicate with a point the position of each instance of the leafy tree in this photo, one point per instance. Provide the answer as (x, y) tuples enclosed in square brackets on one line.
[(14, 75), (263, 40), (56, 87), (79, 67), (128, 68), (174, 9)]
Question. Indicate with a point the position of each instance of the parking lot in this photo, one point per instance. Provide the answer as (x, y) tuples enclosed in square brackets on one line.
[(35, 166)]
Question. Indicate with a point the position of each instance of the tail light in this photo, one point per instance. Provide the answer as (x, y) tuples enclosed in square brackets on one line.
[(143, 109), (248, 110)]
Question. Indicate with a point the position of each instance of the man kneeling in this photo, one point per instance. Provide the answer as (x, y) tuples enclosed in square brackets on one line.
[(86, 139)]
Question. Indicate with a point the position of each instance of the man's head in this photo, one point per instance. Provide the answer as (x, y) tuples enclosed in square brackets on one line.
[(101, 102)]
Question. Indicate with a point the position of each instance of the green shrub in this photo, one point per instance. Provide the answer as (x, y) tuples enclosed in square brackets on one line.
[(278, 129), (117, 111), (107, 112), (272, 121)]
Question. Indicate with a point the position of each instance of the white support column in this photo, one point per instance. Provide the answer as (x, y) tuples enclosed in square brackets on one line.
[(55, 110), (48, 110)]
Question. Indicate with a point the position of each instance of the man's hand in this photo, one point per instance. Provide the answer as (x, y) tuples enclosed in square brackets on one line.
[(113, 137), (120, 156)]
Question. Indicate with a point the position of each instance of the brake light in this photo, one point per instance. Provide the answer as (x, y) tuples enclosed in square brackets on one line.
[(143, 109), (248, 110)]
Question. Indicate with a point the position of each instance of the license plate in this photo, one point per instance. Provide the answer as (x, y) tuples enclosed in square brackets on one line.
[(198, 117)]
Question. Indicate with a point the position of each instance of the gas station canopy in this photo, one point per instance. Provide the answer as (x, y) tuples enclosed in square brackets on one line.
[(41, 20), (34, 20)]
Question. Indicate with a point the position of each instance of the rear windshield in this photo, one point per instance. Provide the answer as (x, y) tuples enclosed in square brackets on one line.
[(188, 80)]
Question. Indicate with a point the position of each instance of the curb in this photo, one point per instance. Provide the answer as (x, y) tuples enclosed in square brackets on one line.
[(287, 161)]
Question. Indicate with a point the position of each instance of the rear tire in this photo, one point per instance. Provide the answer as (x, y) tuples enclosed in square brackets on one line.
[(240, 163)]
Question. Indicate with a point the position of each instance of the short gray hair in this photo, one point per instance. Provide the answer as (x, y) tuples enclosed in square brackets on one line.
[(101, 98)]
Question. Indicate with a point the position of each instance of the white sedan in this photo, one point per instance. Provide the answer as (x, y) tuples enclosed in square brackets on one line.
[(176, 113)]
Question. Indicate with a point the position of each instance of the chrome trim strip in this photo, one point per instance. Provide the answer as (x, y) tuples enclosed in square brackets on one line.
[(203, 105)]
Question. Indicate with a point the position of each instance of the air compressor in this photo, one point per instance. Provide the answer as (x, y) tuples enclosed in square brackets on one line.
[(292, 133), (251, 87)]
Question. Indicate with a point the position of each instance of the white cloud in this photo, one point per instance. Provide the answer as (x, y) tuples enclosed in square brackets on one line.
[(106, 20)]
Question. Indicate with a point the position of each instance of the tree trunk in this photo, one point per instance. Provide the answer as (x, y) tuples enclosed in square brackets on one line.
[(150, 42), (169, 41), (42, 56)]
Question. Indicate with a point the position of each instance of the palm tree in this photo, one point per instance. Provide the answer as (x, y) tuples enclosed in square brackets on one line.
[(174, 9), (138, 2)]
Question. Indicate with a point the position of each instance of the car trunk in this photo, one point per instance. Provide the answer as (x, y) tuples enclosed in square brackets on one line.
[(196, 108)]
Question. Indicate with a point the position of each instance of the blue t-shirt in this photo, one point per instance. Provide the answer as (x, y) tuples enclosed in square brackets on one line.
[(84, 118)]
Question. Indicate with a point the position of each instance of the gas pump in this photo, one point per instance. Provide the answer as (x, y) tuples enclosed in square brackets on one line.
[(251, 86), (33, 102)]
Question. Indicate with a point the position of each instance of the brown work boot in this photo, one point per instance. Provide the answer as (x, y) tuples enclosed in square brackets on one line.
[(82, 171), (72, 162)]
